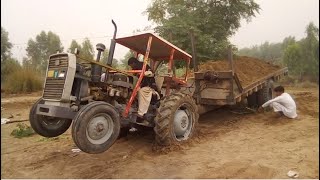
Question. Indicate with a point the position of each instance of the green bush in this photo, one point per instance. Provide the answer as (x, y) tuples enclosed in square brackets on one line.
[(22, 81), (22, 130)]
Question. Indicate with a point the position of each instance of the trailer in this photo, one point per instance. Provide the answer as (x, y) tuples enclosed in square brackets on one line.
[(219, 88)]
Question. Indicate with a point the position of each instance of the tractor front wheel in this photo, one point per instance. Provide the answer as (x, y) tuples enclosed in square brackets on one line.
[(176, 119), (47, 126), (96, 127)]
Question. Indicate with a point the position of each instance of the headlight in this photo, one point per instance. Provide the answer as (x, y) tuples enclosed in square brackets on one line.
[(61, 74)]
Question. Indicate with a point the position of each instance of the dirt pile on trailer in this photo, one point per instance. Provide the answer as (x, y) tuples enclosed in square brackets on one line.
[(248, 69)]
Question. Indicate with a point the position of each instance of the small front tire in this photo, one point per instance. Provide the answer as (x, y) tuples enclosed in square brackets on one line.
[(47, 126), (96, 127)]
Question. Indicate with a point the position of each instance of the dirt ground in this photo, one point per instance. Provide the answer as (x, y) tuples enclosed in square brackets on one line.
[(227, 146)]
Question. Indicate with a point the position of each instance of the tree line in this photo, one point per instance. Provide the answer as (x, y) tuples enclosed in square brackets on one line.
[(211, 22), (28, 75), (300, 56)]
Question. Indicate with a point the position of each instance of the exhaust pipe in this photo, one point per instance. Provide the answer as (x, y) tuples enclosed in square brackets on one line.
[(112, 44), (96, 69), (111, 49)]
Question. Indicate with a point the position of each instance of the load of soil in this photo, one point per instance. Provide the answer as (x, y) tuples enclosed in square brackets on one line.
[(248, 69)]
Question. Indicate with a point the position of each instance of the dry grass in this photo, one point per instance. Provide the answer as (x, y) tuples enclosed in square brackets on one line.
[(295, 82), (307, 84), (23, 81)]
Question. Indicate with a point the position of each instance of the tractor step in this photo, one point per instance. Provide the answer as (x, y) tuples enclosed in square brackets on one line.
[(145, 123)]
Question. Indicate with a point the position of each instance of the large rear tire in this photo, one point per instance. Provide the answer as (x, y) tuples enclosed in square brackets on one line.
[(96, 127), (176, 120), (47, 126)]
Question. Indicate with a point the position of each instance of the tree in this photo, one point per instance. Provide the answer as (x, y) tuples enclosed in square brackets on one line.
[(115, 63), (293, 59), (287, 41), (5, 45), (302, 57), (212, 22), (87, 50), (104, 59), (124, 60), (39, 50), (310, 48), (254, 51), (105, 55), (26, 63), (271, 52), (73, 46)]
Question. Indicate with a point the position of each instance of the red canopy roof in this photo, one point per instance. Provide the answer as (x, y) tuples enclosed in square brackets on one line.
[(160, 48)]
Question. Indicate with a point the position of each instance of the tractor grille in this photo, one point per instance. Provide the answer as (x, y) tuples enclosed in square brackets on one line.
[(54, 85)]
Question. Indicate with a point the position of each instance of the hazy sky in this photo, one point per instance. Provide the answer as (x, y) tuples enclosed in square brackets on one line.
[(77, 19)]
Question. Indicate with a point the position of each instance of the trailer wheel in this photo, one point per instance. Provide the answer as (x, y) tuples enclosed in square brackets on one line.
[(252, 100), (265, 94), (47, 126), (176, 119), (96, 127)]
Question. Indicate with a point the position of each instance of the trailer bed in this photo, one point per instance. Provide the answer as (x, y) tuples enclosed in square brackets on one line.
[(224, 87)]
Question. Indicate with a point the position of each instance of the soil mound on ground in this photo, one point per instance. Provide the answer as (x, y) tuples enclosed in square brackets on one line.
[(248, 69)]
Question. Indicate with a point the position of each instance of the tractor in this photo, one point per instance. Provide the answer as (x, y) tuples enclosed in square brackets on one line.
[(99, 101)]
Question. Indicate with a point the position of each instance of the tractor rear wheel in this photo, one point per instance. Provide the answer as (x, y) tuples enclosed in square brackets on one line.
[(47, 126), (176, 119), (96, 127)]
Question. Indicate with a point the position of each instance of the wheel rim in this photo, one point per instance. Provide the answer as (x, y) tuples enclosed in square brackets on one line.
[(51, 123), (183, 121), (99, 129)]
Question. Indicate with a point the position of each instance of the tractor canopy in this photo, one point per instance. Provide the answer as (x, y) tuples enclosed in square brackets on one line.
[(160, 48), (157, 50)]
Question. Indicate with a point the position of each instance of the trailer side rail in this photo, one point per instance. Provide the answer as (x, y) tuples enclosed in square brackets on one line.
[(254, 87)]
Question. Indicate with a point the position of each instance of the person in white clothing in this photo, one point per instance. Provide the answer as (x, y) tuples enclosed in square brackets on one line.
[(283, 104)]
